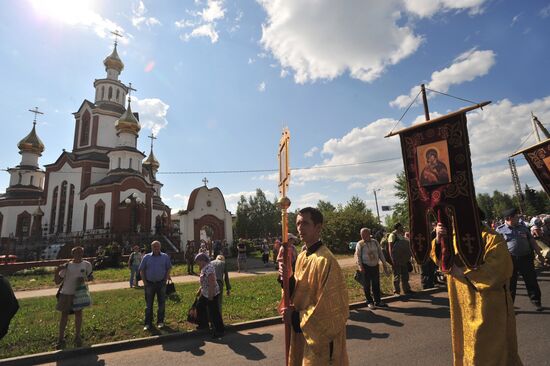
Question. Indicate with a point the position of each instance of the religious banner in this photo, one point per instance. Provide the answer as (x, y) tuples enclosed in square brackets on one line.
[(436, 155), (538, 157)]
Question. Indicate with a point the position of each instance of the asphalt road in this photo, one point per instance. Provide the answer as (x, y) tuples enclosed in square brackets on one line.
[(415, 331)]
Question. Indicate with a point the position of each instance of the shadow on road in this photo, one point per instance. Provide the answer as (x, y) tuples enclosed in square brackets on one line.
[(357, 332), (241, 344), (367, 316), (84, 360), (440, 312)]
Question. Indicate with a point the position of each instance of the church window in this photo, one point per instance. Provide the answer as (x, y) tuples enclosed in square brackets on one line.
[(117, 94), (70, 210), (54, 210), (85, 129), (62, 207), (99, 215), (119, 162), (19, 178), (130, 164), (23, 227), (1, 222), (85, 217), (110, 95), (102, 92), (32, 180)]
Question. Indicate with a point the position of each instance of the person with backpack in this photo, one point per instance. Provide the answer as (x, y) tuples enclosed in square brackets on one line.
[(400, 253)]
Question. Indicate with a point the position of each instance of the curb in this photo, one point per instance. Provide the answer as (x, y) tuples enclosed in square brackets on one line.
[(123, 345)]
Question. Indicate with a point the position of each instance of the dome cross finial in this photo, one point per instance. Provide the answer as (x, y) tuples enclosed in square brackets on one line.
[(36, 112), (116, 34), (152, 137), (130, 89)]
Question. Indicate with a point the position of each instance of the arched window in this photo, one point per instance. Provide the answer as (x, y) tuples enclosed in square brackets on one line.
[(99, 215), (130, 164), (85, 129), (62, 207), (102, 92), (32, 180), (85, 217), (19, 178), (119, 162), (110, 94), (54, 209), (117, 94), (70, 210), (23, 228)]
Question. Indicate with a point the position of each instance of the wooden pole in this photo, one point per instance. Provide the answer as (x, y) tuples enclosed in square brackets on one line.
[(425, 102), (284, 203)]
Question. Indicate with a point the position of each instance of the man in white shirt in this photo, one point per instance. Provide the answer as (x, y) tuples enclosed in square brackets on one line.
[(70, 275), (367, 255)]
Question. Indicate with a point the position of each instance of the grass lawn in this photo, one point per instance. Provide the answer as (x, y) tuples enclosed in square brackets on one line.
[(118, 314)]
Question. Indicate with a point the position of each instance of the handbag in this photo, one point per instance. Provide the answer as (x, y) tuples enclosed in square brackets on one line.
[(81, 297), (192, 314), (359, 276), (170, 288)]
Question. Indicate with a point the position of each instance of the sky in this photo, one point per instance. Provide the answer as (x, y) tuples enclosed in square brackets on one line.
[(217, 80)]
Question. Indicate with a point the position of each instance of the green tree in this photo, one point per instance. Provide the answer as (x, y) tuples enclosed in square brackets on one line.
[(485, 203), (534, 205), (257, 217), (501, 202), (401, 209)]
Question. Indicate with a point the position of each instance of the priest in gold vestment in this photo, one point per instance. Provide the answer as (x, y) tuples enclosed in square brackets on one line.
[(483, 322), (319, 297)]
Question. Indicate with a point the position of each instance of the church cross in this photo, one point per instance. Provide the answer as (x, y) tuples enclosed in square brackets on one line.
[(468, 239), (205, 181), (36, 112), (152, 137), (419, 239), (116, 34), (130, 89)]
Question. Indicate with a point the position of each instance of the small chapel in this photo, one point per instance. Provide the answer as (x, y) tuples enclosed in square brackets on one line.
[(103, 186)]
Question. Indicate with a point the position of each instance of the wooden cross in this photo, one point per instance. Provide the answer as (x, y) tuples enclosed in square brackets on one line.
[(152, 137), (36, 112), (419, 239), (205, 181), (468, 239), (116, 34)]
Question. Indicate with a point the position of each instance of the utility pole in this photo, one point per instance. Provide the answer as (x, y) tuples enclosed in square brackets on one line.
[(376, 201)]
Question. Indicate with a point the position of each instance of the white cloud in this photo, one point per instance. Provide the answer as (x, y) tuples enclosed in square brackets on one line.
[(427, 8), (77, 14), (311, 152), (261, 87), (357, 185), (545, 12), (152, 113), (515, 20), (204, 21), (333, 38), (309, 199), (139, 18), (466, 67)]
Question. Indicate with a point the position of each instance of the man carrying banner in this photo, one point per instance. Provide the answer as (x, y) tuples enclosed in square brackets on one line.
[(483, 323), (320, 300)]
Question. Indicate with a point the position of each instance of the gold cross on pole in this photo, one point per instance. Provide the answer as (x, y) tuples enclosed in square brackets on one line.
[(116, 34), (152, 137), (205, 181), (36, 112), (130, 90)]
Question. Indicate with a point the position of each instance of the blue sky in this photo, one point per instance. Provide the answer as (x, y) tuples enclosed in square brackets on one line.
[(218, 79)]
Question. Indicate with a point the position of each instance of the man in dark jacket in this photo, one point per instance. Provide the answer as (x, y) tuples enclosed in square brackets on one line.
[(8, 305)]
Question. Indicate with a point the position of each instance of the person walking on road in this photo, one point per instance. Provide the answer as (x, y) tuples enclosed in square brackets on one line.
[(367, 256), (483, 322), (190, 256), (222, 276), (70, 276), (133, 263), (155, 271), (400, 253), (319, 297), (208, 294), (521, 246)]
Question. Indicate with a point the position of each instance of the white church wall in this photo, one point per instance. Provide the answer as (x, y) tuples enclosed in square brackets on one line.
[(91, 201), (106, 134), (9, 224), (72, 176), (98, 174), (29, 159)]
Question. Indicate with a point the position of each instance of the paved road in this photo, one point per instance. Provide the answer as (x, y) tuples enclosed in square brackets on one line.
[(259, 269), (411, 332)]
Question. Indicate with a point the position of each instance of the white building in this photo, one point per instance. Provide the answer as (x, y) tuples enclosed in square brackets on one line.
[(104, 183)]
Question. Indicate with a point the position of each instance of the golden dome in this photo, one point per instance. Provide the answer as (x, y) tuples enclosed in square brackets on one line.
[(152, 161), (128, 122), (31, 143), (113, 61)]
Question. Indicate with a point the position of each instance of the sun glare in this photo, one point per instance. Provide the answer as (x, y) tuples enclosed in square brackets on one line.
[(66, 11)]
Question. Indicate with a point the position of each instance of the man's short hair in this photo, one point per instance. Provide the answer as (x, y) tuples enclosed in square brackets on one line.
[(315, 214), (431, 152), (397, 226), (220, 258), (78, 247), (364, 228)]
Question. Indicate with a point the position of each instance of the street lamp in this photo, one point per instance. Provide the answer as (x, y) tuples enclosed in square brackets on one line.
[(376, 201)]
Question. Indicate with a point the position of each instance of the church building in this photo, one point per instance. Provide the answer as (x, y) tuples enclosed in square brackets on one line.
[(104, 184)]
